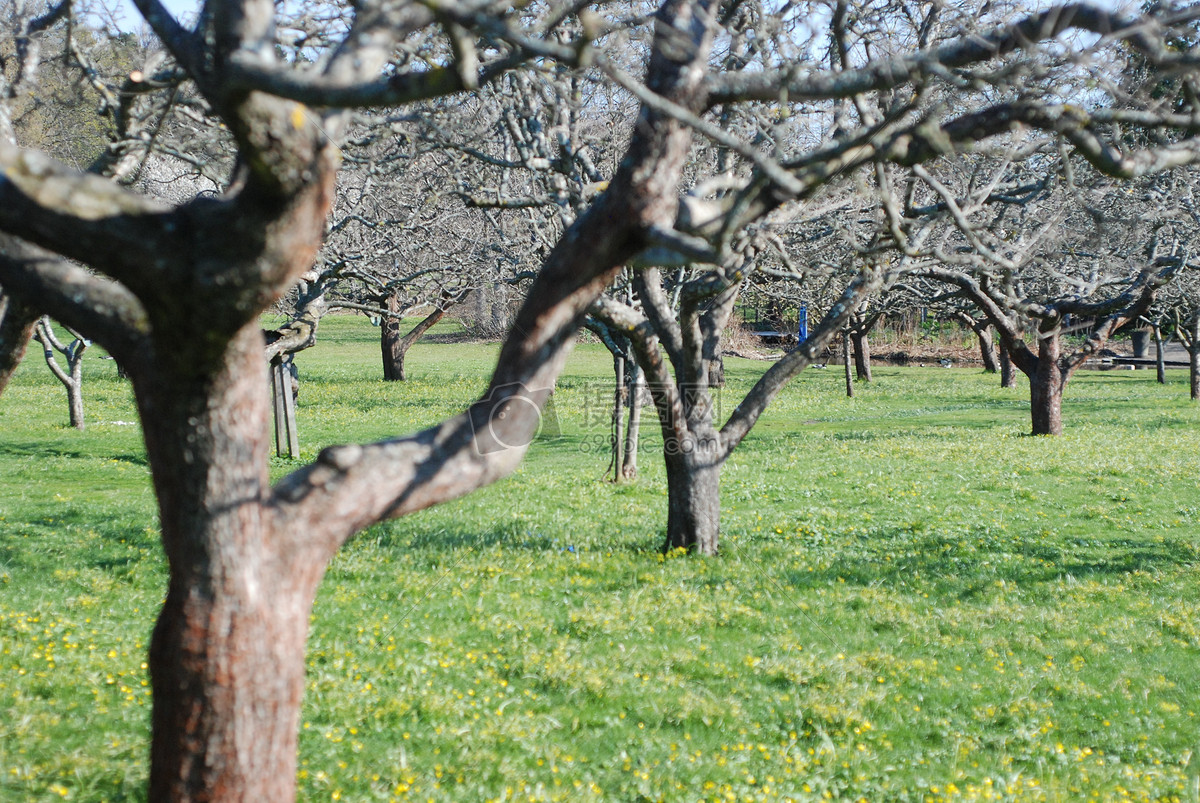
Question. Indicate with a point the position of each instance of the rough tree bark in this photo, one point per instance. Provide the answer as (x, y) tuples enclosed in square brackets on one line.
[(987, 344), (17, 322), (694, 492), (245, 559), (1008, 373), (861, 349), (1046, 383), (394, 347)]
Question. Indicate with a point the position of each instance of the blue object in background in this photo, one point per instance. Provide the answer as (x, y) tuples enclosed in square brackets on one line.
[(802, 328)]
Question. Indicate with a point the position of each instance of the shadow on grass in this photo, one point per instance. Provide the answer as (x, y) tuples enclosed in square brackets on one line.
[(513, 535), (945, 565), (41, 449)]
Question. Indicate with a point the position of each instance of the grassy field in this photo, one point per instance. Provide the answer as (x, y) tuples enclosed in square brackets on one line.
[(914, 601)]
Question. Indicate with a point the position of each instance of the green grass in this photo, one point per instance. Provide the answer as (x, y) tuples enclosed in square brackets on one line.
[(914, 600)]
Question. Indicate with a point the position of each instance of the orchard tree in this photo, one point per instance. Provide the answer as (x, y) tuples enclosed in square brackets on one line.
[(873, 117), (245, 557), (71, 374), (1076, 256)]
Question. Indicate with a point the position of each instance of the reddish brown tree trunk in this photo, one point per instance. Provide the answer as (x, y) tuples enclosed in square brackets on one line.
[(17, 321), (1046, 385), (227, 654)]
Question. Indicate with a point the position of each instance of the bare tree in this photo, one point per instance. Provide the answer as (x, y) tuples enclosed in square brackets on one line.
[(70, 375), (245, 558), (1073, 258), (869, 126)]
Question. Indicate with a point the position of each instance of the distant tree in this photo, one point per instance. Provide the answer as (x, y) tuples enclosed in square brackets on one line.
[(1064, 256), (70, 375)]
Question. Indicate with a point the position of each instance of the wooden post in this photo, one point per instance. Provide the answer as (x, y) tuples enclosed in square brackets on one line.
[(287, 441)]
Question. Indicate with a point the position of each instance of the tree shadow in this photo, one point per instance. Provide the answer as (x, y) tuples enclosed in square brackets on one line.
[(41, 449), (511, 535), (942, 564)]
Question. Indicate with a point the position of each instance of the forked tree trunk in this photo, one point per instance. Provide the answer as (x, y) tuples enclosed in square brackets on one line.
[(694, 500), (1008, 372), (227, 653), (71, 376), (862, 355), (1046, 385), (395, 347)]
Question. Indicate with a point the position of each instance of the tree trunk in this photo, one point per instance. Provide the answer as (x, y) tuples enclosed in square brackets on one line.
[(227, 654), (1046, 387), (846, 363), (394, 347), (1194, 359), (619, 393), (987, 349), (637, 387), (1194, 372), (1159, 358), (1008, 373), (694, 499), (75, 395), (716, 372), (862, 355), (17, 321), (389, 343)]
